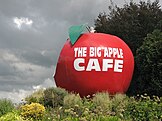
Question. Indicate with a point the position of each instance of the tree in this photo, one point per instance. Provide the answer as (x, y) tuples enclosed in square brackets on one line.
[(132, 23), (149, 60)]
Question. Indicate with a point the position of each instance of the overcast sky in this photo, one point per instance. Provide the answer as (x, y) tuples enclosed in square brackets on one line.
[(32, 33)]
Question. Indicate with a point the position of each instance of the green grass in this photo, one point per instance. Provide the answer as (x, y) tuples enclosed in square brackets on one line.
[(5, 106)]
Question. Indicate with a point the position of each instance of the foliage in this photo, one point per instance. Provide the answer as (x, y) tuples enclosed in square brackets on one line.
[(83, 109), (5, 106), (132, 23), (102, 102), (100, 107), (11, 116), (36, 97), (144, 109), (149, 60), (53, 97), (119, 103), (104, 108), (32, 111), (71, 100)]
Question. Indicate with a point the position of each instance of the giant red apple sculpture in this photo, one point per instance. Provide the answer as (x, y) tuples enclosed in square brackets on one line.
[(96, 62)]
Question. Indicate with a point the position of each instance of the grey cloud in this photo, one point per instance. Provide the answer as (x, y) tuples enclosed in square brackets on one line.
[(14, 7), (5, 69), (38, 58), (16, 72), (72, 11), (17, 94)]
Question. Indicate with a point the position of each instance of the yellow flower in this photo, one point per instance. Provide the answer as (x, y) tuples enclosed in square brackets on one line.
[(34, 110)]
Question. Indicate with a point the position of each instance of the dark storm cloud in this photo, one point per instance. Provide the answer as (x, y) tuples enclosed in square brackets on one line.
[(14, 7), (44, 58), (5, 69), (72, 11), (16, 72)]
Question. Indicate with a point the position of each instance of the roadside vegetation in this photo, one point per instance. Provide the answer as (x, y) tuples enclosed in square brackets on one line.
[(64, 106)]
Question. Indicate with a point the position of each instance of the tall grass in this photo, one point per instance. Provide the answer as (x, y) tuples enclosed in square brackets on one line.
[(5, 106)]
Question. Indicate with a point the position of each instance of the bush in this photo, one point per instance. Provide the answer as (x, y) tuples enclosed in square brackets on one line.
[(102, 102), (119, 102), (11, 116), (99, 108), (108, 118), (149, 62), (5, 106), (32, 111), (72, 100), (53, 97), (36, 97), (143, 108)]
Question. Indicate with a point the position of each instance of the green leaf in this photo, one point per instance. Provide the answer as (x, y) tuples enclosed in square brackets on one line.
[(75, 32)]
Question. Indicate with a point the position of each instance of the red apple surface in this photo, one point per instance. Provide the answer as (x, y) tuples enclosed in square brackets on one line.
[(96, 62)]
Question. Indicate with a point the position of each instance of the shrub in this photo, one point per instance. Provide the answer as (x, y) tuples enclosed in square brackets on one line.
[(5, 106), (71, 100), (149, 63), (102, 102), (53, 97), (32, 111), (144, 109), (119, 102), (87, 109), (36, 97), (107, 118), (11, 116)]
